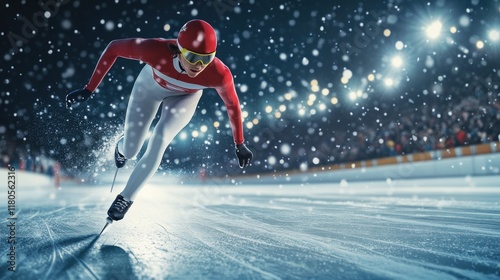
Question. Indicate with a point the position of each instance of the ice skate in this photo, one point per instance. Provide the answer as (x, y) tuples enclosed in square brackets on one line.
[(119, 207), (120, 159), (108, 222)]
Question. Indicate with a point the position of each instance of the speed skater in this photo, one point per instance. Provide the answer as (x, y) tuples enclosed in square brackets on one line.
[(176, 72)]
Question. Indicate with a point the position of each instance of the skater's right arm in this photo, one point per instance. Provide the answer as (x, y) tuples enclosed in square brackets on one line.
[(132, 48)]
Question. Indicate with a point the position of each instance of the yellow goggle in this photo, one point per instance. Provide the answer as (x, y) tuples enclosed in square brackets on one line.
[(193, 57)]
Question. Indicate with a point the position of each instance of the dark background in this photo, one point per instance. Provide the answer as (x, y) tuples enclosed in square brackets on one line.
[(272, 48)]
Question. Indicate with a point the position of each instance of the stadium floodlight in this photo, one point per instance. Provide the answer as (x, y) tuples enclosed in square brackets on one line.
[(494, 35), (389, 82), (479, 44), (355, 94), (433, 30), (352, 95), (397, 61)]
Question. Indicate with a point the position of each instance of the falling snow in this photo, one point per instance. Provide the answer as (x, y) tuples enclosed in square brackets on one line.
[(319, 83)]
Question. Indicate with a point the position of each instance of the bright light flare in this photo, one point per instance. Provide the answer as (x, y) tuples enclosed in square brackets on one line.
[(183, 135), (314, 85), (399, 45), (353, 95), (494, 35), (389, 82), (346, 76), (397, 61), (289, 96), (433, 30), (479, 44), (312, 99)]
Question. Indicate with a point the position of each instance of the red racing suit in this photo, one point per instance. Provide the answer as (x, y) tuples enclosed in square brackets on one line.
[(157, 53)]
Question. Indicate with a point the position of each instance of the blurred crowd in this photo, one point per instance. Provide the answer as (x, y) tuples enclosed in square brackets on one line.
[(26, 159), (433, 127)]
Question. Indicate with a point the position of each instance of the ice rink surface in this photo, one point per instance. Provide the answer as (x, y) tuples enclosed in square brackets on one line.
[(413, 229)]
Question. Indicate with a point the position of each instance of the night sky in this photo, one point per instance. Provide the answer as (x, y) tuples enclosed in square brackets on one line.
[(320, 82)]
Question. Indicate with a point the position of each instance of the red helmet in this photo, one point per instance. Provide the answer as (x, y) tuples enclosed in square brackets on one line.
[(198, 36)]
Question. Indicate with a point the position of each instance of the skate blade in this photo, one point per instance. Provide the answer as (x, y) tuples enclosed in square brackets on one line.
[(109, 221), (114, 179)]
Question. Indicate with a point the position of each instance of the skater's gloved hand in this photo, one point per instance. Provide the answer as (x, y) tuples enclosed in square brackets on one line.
[(76, 97), (244, 155)]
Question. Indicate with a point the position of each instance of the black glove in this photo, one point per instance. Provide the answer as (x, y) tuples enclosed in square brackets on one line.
[(244, 155), (76, 97)]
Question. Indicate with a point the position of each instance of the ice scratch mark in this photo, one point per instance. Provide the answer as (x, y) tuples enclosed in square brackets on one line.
[(53, 256), (81, 262), (243, 263), (168, 233), (57, 250)]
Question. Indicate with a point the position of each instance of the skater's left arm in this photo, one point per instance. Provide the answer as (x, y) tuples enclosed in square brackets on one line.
[(228, 94)]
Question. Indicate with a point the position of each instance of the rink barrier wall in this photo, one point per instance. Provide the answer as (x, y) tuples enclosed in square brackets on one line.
[(477, 160)]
